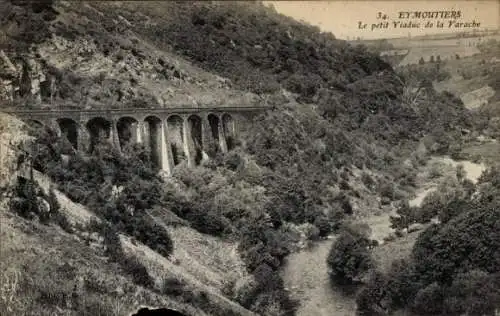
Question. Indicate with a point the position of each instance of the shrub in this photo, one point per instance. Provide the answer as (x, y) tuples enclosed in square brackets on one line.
[(62, 220), (406, 216), (172, 286), (372, 299), (266, 292), (429, 300), (469, 241), (156, 237), (368, 180), (453, 268), (349, 257), (452, 209), (25, 201), (402, 283), (310, 231), (111, 242), (435, 172), (387, 191), (473, 293), (53, 202), (133, 267), (326, 224), (204, 221), (55, 213)]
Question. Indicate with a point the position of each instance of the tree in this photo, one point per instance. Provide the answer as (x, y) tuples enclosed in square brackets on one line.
[(349, 257), (429, 300), (473, 293), (470, 240), (405, 216), (371, 301), (421, 61), (53, 202)]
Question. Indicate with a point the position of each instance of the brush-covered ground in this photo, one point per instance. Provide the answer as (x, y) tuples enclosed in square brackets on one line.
[(345, 141), (62, 267)]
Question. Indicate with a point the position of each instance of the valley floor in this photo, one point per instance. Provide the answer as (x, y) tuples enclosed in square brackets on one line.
[(306, 275)]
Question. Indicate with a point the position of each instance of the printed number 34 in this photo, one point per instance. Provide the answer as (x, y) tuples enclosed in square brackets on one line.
[(382, 16)]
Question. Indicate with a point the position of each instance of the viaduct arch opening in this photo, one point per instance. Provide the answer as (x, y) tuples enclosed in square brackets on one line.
[(175, 126), (154, 138), (213, 122), (229, 130), (128, 129), (69, 128), (194, 124), (99, 129)]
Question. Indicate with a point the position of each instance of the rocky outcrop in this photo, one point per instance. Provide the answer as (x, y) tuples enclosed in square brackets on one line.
[(22, 77), (12, 137)]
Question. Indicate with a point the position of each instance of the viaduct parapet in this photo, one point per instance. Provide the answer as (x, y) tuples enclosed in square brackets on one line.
[(172, 134)]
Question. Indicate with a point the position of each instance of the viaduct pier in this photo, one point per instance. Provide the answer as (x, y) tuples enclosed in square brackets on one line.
[(172, 134)]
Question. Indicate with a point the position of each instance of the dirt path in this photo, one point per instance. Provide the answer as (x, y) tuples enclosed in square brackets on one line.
[(306, 275)]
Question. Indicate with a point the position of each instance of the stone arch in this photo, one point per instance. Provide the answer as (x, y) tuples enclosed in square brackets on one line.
[(175, 125), (128, 129), (99, 129), (154, 138), (214, 123), (228, 125), (69, 129), (195, 127)]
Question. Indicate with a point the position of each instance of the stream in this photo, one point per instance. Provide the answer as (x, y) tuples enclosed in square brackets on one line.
[(305, 273)]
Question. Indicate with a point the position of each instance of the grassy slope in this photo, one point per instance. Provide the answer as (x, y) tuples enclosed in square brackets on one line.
[(37, 251)]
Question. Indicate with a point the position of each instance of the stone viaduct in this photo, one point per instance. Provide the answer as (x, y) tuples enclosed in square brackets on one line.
[(172, 134)]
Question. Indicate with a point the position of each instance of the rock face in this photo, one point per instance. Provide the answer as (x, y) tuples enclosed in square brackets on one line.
[(12, 137), (21, 78)]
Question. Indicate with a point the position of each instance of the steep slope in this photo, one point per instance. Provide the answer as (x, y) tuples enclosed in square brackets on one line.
[(300, 171), (59, 271), (257, 48), (84, 58)]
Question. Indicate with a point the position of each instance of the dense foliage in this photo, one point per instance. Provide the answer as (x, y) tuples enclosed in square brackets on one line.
[(120, 189), (454, 266), (263, 51), (25, 23), (123, 189), (254, 46), (349, 257), (30, 201)]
